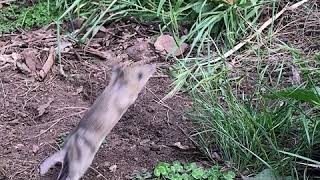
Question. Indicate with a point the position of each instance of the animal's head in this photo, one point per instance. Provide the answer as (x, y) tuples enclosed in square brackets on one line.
[(129, 81)]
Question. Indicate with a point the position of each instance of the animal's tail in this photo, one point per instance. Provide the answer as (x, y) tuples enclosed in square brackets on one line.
[(65, 168)]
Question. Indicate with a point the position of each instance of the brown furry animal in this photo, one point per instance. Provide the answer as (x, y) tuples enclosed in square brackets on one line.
[(82, 144)]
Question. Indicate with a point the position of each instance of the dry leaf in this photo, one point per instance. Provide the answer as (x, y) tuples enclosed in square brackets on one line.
[(65, 46), (48, 64), (42, 108), (113, 168), (167, 44), (230, 1), (30, 57), (23, 67)]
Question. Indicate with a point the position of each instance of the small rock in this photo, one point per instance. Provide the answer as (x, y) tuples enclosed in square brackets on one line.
[(150, 109), (145, 149), (35, 148), (155, 147), (138, 50), (7, 104), (19, 147), (166, 44), (106, 164), (113, 168)]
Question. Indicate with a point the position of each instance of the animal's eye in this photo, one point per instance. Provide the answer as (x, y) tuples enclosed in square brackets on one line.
[(140, 75)]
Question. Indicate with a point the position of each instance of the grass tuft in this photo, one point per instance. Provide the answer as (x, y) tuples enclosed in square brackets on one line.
[(13, 16)]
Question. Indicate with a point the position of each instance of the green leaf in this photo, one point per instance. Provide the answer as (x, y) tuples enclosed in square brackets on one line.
[(161, 169), (308, 95), (176, 167), (268, 174), (202, 7), (175, 177), (197, 173), (213, 177), (230, 175), (190, 167), (185, 176), (214, 173)]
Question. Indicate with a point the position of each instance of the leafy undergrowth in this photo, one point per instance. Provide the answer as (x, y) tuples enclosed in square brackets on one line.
[(272, 126), (187, 171), (17, 16), (225, 20)]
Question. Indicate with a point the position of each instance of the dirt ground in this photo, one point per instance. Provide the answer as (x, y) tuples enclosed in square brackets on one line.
[(36, 115)]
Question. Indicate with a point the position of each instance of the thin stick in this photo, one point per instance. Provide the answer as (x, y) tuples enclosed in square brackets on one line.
[(259, 31), (55, 122), (159, 100), (99, 174), (65, 108)]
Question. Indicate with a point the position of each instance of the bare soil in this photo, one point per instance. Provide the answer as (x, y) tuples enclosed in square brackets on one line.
[(143, 137)]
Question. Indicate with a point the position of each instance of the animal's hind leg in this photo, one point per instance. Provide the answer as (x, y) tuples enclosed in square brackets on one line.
[(80, 157), (51, 161), (78, 168)]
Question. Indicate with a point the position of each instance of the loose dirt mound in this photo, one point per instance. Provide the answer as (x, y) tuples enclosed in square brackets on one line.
[(36, 115)]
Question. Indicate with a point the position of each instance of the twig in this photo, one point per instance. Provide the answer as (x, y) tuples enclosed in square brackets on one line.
[(99, 174), (55, 122), (103, 55), (66, 108), (195, 144), (259, 31), (168, 119), (160, 76), (159, 100)]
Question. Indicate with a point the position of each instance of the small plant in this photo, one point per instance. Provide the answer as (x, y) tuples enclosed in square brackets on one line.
[(140, 175), (17, 16), (61, 138), (190, 171)]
